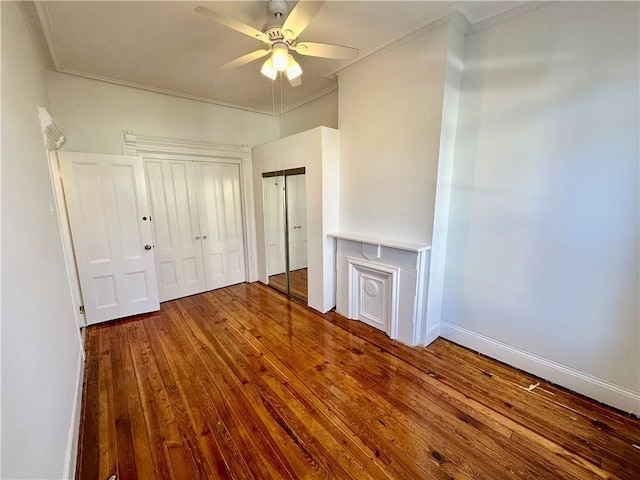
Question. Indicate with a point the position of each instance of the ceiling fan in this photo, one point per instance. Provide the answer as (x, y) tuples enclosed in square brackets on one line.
[(281, 38)]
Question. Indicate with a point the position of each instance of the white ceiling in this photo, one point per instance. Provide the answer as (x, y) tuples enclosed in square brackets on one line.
[(166, 46)]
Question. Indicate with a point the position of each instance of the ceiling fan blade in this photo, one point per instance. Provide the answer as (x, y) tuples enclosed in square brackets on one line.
[(300, 17), (249, 57), (296, 82), (326, 50), (232, 23)]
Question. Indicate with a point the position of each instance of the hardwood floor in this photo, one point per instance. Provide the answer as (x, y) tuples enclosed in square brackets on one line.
[(298, 280), (243, 383)]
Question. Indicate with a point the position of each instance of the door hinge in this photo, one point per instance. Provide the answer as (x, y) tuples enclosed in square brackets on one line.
[(82, 309)]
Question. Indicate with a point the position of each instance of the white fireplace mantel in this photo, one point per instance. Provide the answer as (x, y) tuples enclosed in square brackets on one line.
[(409, 246), (383, 283)]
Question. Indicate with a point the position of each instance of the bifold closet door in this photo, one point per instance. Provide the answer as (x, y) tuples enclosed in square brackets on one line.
[(220, 215), (106, 199), (176, 229)]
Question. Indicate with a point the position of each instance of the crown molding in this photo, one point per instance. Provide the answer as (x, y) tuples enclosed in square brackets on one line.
[(447, 13), (517, 11), (47, 29), (171, 93), (432, 22), (322, 93), (460, 14)]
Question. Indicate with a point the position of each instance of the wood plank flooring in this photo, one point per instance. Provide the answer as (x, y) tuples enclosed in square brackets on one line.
[(298, 279), (244, 383)]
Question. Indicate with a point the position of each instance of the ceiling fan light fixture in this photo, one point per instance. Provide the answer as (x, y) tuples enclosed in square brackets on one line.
[(280, 56), (294, 70), (267, 69)]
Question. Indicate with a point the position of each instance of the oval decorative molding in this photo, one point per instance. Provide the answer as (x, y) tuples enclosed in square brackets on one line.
[(371, 288)]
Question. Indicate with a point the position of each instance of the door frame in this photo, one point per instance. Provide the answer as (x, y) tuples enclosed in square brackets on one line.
[(291, 172), (158, 148), (53, 139)]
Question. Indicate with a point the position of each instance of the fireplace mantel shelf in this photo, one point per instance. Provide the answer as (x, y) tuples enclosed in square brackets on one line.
[(411, 247)]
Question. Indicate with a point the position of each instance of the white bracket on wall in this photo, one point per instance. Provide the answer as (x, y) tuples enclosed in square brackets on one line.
[(51, 134), (370, 251)]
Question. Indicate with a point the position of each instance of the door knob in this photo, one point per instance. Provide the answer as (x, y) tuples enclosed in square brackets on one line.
[(147, 247), (198, 237), (204, 237)]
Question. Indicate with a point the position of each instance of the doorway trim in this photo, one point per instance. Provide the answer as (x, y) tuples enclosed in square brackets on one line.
[(159, 148), (53, 139)]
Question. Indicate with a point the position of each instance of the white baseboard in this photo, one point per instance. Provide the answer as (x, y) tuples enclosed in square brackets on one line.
[(432, 334), (575, 380), (71, 453)]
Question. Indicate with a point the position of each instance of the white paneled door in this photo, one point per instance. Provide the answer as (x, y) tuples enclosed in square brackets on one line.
[(176, 228), (220, 215), (107, 202)]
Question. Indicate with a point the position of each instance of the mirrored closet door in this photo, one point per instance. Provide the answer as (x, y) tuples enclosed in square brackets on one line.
[(285, 218)]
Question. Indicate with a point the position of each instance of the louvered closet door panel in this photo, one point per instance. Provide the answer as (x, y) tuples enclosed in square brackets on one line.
[(176, 230), (220, 214)]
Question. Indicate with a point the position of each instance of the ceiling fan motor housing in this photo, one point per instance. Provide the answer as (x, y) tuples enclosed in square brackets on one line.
[(277, 9)]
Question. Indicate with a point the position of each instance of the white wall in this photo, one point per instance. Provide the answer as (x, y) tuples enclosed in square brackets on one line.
[(93, 114), (542, 262), (321, 112), (446, 155), (40, 348), (390, 118)]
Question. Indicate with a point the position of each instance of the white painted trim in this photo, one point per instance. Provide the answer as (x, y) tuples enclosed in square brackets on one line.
[(420, 300), (437, 19), (321, 93), (145, 145), (425, 27), (432, 334), (53, 138), (195, 98), (589, 385), (47, 29), (189, 158), (429, 23), (67, 243), (400, 245), (249, 217), (71, 452), (432, 22), (529, 6), (171, 93)]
